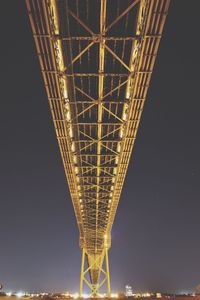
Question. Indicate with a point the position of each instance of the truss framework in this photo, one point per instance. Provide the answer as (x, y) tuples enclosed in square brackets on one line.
[(97, 262), (97, 58)]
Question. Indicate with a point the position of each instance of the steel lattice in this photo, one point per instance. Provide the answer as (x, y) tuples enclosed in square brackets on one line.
[(97, 57)]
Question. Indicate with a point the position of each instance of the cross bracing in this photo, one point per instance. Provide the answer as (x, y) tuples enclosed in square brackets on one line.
[(97, 58)]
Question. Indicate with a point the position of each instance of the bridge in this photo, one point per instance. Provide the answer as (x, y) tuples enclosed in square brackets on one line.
[(96, 58)]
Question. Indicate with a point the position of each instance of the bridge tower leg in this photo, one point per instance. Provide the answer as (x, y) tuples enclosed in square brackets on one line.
[(94, 288)]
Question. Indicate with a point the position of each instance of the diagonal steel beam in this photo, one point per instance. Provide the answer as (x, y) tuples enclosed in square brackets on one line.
[(85, 94), (114, 115), (81, 22), (118, 58), (83, 111), (83, 51), (122, 15), (116, 88)]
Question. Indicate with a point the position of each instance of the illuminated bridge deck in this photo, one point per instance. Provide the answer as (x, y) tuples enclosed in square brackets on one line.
[(97, 57)]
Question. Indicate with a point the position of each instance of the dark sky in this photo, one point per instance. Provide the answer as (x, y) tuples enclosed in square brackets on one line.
[(155, 238)]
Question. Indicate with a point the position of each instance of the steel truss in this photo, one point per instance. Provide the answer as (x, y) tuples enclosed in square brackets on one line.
[(97, 58), (97, 262)]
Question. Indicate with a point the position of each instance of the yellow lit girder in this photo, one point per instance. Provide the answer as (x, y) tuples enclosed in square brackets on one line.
[(100, 275), (96, 57)]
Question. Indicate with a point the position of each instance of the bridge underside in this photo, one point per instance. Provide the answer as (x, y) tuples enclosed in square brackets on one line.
[(97, 57)]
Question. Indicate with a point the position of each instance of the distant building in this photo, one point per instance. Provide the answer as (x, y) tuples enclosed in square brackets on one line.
[(129, 291)]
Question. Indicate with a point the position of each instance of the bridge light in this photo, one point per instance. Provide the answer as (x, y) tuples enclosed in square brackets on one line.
[(65, 94), (75, 160), (80, 200), (117, 159), (76, 170), (73, 147), (68, 117), (115, 171), (66, 105), (125, 112), (60, 55), (118, 147), (110, 201), (121, 132), (128, 90), (128, 94), (70, 132)]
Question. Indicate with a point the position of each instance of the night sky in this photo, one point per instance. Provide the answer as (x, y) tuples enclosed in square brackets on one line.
[(155, 237)]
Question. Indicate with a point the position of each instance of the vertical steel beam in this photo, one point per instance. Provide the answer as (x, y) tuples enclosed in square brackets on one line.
[(98, 264)]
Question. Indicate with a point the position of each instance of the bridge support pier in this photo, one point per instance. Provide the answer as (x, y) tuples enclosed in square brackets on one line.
[(104, 272)]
